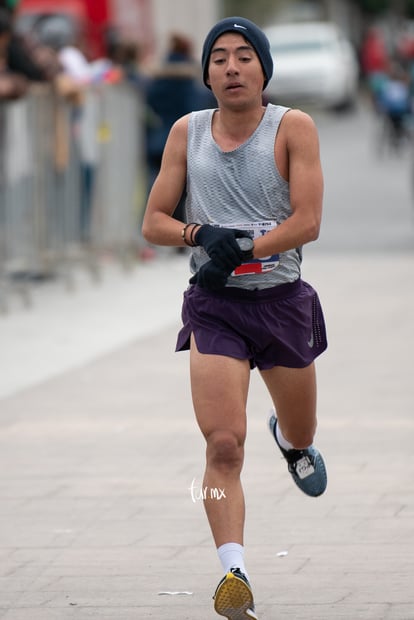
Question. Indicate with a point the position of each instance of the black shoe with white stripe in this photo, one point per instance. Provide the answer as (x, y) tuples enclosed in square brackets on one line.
[(306, 466)]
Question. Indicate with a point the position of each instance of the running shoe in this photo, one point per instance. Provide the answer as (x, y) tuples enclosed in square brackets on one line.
[(306, 466), (234, 598)]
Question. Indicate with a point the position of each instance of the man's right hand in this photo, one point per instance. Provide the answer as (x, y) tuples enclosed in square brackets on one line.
[(210, 277)]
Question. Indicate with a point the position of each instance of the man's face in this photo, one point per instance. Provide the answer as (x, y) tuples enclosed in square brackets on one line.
[(234, 71)]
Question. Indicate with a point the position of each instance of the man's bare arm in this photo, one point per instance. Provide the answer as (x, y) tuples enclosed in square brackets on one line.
[(159, 227), (306, 188)]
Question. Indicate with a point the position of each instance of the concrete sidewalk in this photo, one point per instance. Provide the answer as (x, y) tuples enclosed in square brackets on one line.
[(98, 452)]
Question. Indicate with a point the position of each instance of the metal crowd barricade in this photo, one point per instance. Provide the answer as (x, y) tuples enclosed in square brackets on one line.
[(71, 185), (120, 166)]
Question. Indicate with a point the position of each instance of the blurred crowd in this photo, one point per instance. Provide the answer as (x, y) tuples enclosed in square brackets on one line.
[(21, 63), (54, 54), (387, 66)]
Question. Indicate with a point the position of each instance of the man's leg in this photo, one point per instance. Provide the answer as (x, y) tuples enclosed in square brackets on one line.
[(293, 391), (294, 395), (219, 388)]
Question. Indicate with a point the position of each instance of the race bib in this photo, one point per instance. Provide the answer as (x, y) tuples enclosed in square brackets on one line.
[(256, 265)]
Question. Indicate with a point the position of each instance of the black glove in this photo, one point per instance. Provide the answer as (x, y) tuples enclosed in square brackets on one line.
[(210, 277), (221, 245)]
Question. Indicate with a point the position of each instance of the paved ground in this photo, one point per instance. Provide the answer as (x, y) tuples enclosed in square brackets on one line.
[(98, 450)]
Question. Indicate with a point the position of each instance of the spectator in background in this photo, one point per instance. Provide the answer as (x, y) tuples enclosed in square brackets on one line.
[(128, 55), (375, 62), (173, 92), (394, 103), (170, 93), (75, 77), (35, 62), (12, 85)]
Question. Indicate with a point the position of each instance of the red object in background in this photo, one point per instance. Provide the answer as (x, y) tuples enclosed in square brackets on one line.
[(131, 18), (75, 7), (374, 53), (98, 20)]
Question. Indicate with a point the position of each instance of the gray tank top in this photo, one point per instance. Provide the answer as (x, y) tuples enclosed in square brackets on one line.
[(241, 188)]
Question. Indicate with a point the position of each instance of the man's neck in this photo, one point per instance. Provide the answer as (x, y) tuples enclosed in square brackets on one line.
[(233, 127)]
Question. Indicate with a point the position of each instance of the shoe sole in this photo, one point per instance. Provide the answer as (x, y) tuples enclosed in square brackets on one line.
[(233, 599)]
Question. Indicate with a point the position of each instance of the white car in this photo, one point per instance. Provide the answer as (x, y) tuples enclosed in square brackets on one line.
[(313, 62)]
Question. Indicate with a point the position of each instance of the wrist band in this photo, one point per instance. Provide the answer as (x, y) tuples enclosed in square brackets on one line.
[(192, 240), (183, 232)]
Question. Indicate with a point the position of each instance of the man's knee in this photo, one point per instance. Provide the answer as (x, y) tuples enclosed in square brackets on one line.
[(225, 450)]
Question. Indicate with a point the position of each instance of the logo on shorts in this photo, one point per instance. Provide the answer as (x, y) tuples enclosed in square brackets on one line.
[(311, 342)]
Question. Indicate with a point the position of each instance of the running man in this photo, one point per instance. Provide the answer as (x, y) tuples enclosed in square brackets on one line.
[(254, 198)]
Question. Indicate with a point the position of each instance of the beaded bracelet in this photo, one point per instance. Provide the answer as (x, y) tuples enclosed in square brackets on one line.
[(183, 232)]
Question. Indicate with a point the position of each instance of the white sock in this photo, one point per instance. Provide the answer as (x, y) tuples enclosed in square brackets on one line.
[(231, 555), (284, 443)]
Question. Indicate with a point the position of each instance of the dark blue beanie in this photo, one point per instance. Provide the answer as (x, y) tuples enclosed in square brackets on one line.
[(249, 31)]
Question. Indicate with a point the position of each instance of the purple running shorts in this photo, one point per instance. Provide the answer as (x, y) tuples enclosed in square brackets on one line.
[(279, 326)]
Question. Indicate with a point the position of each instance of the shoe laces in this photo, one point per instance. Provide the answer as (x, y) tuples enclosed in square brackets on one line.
[(294, 456)]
